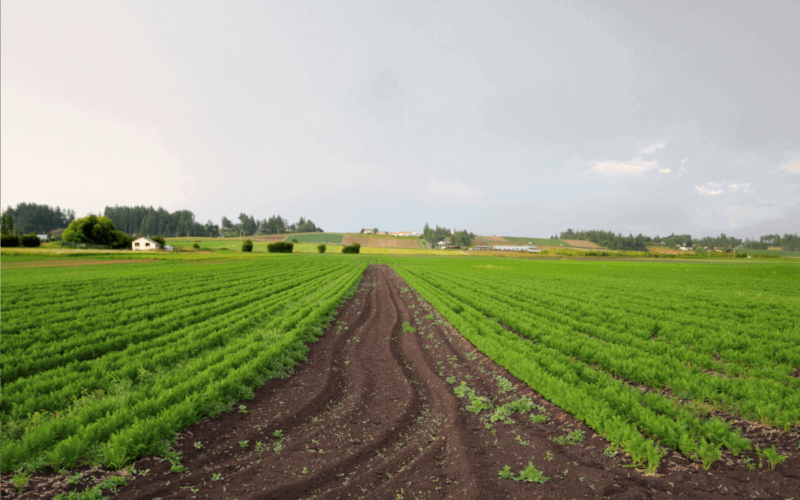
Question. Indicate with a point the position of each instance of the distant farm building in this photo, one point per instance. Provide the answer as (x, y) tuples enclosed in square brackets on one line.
[(517, 248), (402, 233), (483, 247), (367, 231), (144, 244)]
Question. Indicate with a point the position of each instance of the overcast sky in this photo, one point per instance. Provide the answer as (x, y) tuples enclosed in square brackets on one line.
[(505, 118)]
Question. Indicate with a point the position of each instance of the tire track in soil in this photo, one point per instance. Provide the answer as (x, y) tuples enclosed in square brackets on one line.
[(371, 415)]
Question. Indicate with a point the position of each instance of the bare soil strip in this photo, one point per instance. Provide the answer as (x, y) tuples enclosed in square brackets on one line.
[(73, 263), (581, 244), (372, 415), (388, 242)]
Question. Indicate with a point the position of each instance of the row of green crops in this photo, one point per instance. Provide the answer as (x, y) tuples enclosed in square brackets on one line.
[(103, 363), (703, 335)]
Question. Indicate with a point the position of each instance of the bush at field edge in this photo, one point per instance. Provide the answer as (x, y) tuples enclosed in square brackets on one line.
[(280, 247)]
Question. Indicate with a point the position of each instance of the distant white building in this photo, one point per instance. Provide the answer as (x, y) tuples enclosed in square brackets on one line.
[(402, 233), (144, 243), (367, 231), (42, 237)]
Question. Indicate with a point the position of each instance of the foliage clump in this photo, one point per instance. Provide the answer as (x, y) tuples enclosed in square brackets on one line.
[(280, 247), (9, 240), (96, 230), (30, 240), (321, 248), (354, 248), (247, 246)]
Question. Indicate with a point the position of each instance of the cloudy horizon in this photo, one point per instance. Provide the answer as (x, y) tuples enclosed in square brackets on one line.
[(503, 118)]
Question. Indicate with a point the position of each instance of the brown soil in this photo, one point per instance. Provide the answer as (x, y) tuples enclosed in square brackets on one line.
[(388, 242), (72, 263), (490, 240), (581, 244), (371, 415), (277, 237)]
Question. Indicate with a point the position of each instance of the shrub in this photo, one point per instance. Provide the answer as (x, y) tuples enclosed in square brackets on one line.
[(294, 240), (121, 241), (280, 247), (196, 245), (30, 240), (159, 239), (9, 240), (321, 248), (247, 246), (354, 248)]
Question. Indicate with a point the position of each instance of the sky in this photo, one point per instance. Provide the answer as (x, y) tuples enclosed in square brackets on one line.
[(504, 118)]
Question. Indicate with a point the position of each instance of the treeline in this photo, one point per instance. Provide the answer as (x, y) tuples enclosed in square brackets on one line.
[(612, 241), (33, 218), (458, 238), (249, 225), (608, 239), (143, 221)]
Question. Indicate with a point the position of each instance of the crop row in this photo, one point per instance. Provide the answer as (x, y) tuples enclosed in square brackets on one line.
[(125, 400), (578, 351)]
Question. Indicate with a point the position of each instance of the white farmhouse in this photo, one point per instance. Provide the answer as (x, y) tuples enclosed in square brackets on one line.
[(144, 244)]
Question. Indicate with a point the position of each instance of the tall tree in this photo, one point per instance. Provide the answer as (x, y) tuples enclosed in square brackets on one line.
[(30, 217)]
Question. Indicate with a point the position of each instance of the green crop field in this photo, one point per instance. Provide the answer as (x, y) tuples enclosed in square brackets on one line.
[(330, 238), (105, 362), (712, 337)]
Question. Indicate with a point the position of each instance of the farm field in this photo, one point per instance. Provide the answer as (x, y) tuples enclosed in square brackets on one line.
[(599, 378), (782, 253), (329, 238), (649, 366), (547, 242), (109, 361), (581, 244), (382, 241)]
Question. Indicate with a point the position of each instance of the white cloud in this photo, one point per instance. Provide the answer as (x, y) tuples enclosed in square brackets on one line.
[(710, 189), (793, 166), (651, 149), (634, 166), (450, 188), (664, 170)]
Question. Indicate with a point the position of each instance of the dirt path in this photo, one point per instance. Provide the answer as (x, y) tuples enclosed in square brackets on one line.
[(373, 415)]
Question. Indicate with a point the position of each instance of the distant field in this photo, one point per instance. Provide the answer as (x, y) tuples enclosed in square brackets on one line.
[(382, 242), (335, 238), (520, 240), (768, 252), (490, 240), (581, 244), (658, 249)]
